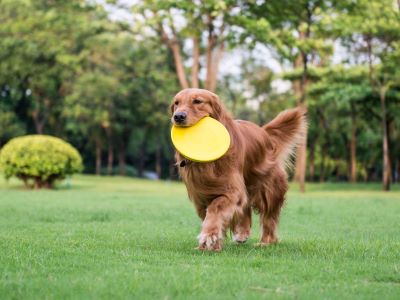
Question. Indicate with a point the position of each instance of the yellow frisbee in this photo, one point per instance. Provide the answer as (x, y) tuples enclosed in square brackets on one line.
[(205, 141)]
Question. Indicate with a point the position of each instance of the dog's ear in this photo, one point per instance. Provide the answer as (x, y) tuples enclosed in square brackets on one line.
[(216, 107)]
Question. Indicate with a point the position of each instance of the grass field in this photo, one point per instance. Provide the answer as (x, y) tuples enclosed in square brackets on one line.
[(118, 238)]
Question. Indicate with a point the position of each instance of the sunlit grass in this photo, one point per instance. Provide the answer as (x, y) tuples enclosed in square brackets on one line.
[(128, 238)]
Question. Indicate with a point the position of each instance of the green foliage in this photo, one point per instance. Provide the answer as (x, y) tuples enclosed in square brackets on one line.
[(41, 49), (372, 28), (39, 158), (74, 69), (292, 28), (10, 126)]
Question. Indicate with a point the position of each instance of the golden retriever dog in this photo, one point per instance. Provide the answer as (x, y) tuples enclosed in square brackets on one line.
[(250, 176)]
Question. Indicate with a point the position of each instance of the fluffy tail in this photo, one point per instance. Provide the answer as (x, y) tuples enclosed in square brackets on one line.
[(287, 131)]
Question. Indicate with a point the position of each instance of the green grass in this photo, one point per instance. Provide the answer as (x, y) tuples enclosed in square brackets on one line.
[(118, 238)]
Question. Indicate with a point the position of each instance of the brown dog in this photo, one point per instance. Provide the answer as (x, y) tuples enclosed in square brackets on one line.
[(251, 175)]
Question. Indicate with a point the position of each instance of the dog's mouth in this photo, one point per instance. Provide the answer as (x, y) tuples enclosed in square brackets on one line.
[(180, 124), (183, 123)]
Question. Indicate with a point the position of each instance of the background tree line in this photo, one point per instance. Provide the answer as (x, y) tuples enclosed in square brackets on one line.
[(76, 70)]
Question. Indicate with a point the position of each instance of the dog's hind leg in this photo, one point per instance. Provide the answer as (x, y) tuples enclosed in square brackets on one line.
[(241, 225), (269, 218)]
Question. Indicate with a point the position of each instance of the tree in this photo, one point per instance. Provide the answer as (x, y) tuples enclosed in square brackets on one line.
[(37, 50), (91, 104), (347, 90), (71, 70), (204, 25), (372, 28), (294, 30)]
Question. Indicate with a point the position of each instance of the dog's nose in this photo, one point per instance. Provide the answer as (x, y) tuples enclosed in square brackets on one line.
[(179, 117)]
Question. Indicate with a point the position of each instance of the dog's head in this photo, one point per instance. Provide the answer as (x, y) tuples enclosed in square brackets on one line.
[(191, 105)]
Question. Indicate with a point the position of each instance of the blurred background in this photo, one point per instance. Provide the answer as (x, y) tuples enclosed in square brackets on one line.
[(101, 74)]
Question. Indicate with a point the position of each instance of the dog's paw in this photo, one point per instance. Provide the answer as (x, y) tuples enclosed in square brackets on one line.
[(210, 241), (241, 237), (267, 240), (260, 244)]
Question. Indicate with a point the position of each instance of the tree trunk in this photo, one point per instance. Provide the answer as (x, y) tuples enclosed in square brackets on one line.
[(122, 159), (173, 44), (301, 161), (209, 52), (40, 113), (195, 66), (337, 169), (353, 145), (98, 156), (296, 83), (158, 160), (142, 155), (322, 165), (215, 66), (39, 127), (39, 123), (180, 70), (386, 176), (172, 168), (110, 160), (110, 155), (312, 161), (297, 92)]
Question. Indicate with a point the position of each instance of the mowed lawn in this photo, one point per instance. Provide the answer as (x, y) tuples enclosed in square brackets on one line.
[(118, 238)]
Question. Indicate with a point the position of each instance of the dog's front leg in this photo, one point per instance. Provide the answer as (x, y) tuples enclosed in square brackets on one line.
[(218, 216), (242, 225)]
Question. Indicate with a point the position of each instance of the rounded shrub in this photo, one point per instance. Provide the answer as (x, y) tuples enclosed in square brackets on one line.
[(39, 160)]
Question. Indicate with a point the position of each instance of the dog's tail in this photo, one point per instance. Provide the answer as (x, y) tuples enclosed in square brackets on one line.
[(287, 131)]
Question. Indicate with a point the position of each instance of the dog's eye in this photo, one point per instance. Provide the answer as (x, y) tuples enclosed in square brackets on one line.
[(176, 102), (197, 101)]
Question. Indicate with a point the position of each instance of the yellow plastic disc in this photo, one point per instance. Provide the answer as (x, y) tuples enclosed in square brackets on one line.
[(205, 141)]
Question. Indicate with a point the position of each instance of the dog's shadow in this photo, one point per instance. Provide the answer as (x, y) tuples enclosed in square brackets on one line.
[(252, 249)]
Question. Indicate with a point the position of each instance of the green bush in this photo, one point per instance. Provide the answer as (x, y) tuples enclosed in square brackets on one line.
[(39, 160)]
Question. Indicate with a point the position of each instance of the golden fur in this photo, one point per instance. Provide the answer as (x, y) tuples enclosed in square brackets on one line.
[(251, 175)]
